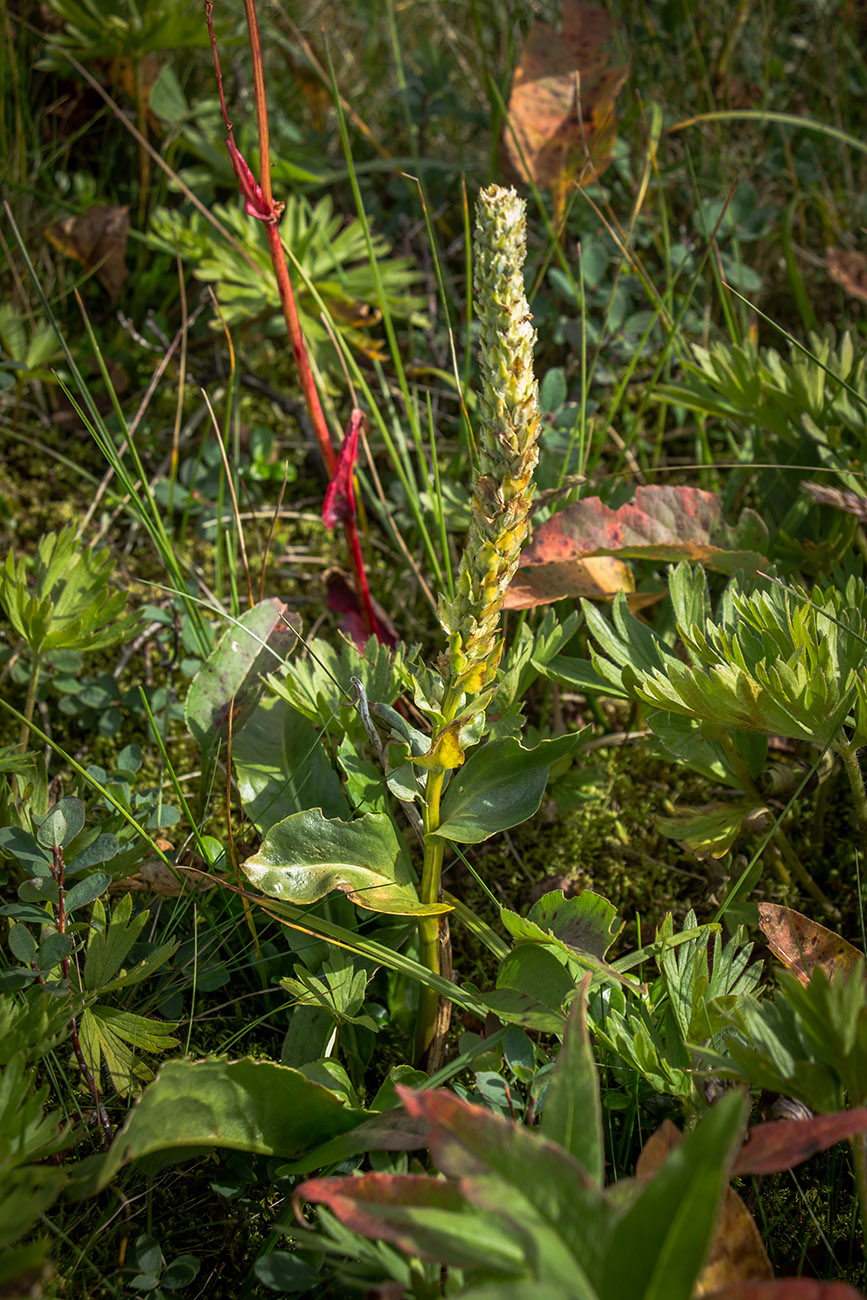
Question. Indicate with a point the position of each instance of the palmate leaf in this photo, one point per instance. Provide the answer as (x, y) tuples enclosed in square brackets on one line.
[(26, 1133), (115, 1038), (108, 947)]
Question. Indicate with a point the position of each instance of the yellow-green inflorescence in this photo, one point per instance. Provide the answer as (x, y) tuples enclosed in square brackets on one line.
[(507, 440)]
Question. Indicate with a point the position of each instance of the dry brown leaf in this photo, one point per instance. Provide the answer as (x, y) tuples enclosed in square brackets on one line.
[(597, 579), (848, 269), (737, 1254), (802, 944), (98, 241), (561, 110)]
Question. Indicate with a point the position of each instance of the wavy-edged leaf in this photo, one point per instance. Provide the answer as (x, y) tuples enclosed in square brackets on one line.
[(306, 856)]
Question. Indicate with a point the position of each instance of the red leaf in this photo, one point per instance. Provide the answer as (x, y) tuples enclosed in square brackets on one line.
[(802, 944), (377, 1205), (541, 584), (661, 523), (771, 1148), (339, 502), (343, 600), (254, 199)]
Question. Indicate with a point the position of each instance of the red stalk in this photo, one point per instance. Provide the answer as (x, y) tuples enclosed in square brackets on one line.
[(259, 203)]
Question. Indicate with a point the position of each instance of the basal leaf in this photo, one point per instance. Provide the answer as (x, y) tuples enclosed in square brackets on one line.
[(254, 1106), (306, 856)]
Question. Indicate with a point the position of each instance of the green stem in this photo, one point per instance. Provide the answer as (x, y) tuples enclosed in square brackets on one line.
[(849, 755), (859, 1160), (783, 843), (30, 705), (430, 927)]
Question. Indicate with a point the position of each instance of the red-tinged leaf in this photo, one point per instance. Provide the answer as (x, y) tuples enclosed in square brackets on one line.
[(802, 944), (561, 110), (771, 1148), (661, 523), (597, 579), (343, 600), (419, 1214), (737, 1251), (787, 1288), (339, 502), (229, 683)]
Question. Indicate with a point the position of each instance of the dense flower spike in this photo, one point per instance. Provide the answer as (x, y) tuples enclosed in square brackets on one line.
[(507, 442)]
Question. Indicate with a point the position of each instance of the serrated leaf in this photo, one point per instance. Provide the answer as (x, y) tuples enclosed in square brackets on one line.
[(116, 1038), (306, 856)]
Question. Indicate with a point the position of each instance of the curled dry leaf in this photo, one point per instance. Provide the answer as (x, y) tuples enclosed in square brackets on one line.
[(803, 944), (737, 1254), (561, 125), (98, 241), (848, 268)]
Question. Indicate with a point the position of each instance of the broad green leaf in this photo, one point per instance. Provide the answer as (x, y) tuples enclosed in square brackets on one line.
[(538, 970), (500, 785), (306, 856), (87, 890), (582, 929), (61, 823), (660, 1244), (254, 1106), (281, 767), (229, 682), (711, 831), (572, 1116)]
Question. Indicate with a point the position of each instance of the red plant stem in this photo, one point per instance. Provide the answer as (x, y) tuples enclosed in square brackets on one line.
[(260, 203)]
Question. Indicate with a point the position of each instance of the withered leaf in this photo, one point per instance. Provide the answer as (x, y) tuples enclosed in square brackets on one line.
[(848, 268), (561, 110), (98, 241), (737, 1253), (597, 579), (802, 944)]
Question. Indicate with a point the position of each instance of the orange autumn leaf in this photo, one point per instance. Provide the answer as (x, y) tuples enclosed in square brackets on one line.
[(561, 110), (97, 240), (597, 579), (848, 268)]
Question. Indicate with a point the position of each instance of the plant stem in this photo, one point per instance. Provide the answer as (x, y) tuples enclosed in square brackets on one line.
[(30, 704), (849, 755), (783, 843), (431, 1019)]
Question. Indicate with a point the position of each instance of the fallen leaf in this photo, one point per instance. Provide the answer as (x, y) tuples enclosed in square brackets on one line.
[(803, 944), (737, 1253), (772, 1148), (848, 269), (661, 523), (98, 241), (597, 579), (561, 127)]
